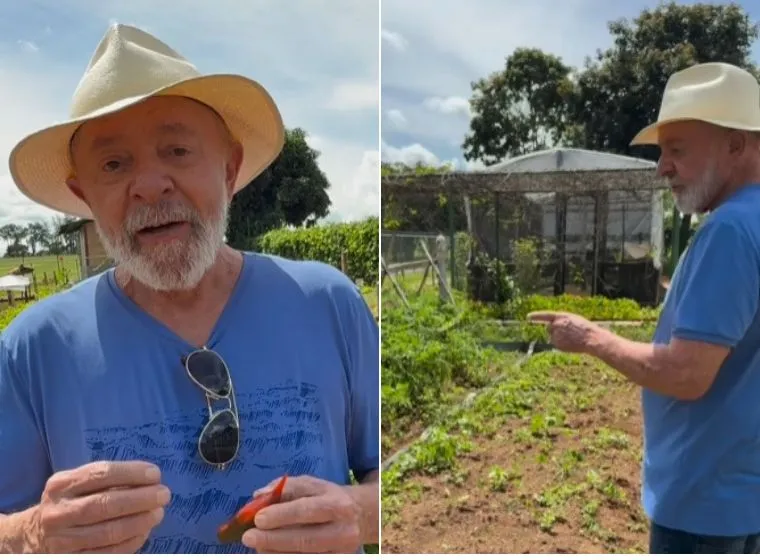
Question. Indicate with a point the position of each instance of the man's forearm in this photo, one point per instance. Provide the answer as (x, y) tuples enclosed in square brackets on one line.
[(14, 533), (648, 365), (367, 496)]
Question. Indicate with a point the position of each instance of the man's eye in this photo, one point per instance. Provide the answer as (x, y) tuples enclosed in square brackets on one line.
[(110, 165), (180, 152)]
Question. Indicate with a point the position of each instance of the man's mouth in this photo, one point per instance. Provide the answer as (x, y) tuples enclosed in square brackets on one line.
[(167, 227)]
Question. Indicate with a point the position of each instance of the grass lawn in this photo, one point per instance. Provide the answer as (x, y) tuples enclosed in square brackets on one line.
[(43, 264)]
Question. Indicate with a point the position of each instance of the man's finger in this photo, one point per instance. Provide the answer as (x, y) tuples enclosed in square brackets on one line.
[(296, 487), (114, 504), (295, 540), (96, 477), (301, 511), (113, 532), (543, 317)]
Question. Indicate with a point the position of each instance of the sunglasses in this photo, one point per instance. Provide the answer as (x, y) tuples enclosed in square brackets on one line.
[(219, 441)]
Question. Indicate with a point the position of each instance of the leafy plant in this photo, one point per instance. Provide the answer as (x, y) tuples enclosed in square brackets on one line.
[(359, 241), (527, 262), (488, 281), (596, 308)]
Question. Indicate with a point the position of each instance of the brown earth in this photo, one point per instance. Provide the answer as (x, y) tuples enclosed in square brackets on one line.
[(530, 486)]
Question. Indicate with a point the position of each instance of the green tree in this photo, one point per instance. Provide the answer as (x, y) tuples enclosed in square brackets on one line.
[(63, 241), (37, 236), (16, 250), (523, 108), (13, 234), (619, 92), (292, 191)]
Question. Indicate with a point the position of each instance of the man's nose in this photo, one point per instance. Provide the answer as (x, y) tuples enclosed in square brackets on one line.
[(151, 183), (665, 168)]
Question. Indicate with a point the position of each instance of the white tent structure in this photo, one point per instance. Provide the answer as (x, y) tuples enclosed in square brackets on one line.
[(634, 220)]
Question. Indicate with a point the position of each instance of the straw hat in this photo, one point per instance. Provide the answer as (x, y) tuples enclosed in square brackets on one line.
[(714, 92), (128, 66)]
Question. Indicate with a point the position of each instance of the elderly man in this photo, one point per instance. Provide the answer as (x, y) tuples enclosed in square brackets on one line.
[(140, 409), (700, 377)]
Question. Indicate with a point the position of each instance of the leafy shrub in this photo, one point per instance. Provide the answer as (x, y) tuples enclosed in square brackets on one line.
[(426, 352), (527, 262), (488, 281), (597, 308), (325, 243)]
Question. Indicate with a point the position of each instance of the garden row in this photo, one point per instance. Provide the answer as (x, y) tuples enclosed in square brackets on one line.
[(543, 458)]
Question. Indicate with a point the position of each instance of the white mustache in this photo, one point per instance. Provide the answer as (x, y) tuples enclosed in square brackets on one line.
[(165, 212)]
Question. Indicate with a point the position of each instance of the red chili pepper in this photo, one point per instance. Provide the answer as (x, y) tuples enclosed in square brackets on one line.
[(233, 530)]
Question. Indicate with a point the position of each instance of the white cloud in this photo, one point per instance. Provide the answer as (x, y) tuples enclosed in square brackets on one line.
[(394, 39), (414, 154), (409, 155), (28, 46), (354, 174), (449, 105), (397, 118), (24, 106), (353, 96)]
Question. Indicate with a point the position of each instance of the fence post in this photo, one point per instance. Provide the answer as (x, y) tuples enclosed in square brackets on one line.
[(343, 262), (441, 261)]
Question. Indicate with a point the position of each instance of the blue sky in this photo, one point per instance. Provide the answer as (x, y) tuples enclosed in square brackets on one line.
[(318, 59), (433, 49)]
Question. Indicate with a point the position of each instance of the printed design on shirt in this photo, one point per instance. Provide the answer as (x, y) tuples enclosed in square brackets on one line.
[(281, 431)]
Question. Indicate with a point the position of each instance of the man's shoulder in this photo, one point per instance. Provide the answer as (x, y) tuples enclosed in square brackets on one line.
[(311, 277), (733, 225), (739, 214), (61, 310)]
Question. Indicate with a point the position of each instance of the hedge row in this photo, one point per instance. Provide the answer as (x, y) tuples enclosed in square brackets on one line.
[(325, 243)]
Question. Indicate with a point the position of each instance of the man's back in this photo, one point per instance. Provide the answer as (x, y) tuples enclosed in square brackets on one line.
[(703, 457), (87, 375)]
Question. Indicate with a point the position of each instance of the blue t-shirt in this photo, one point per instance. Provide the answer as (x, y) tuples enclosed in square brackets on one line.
[(701, 468), (87, 375)]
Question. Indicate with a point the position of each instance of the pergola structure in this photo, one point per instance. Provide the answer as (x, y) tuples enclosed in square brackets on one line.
[(568, 189)]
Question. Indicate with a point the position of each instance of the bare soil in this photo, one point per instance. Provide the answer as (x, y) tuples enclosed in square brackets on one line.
[(573, 487)]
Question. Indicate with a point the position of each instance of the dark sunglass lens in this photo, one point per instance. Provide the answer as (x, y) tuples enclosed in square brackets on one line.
[(220, 439), (209, 371)]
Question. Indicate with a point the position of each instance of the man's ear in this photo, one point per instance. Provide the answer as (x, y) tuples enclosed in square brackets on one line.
[(74, 187), (232, 169)]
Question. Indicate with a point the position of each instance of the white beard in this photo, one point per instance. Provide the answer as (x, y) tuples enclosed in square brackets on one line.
[(174, 266), (693, 198)]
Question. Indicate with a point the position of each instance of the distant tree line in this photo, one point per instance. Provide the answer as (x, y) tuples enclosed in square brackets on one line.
[(38, 238)]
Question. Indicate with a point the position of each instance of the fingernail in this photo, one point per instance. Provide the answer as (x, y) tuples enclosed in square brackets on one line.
[(249, 538), (158, 515), (152, 474), (163, 496)]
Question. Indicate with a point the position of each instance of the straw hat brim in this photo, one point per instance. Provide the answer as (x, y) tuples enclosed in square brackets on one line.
[(649, 135), (40, 163)]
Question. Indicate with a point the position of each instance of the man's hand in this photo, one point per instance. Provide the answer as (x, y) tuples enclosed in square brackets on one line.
[(314, 516), (568, 332), (106, 507)]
